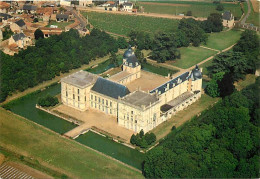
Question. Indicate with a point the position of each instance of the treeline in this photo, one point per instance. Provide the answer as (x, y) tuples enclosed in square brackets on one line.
[(50, 57), (233, 65), (165, 46), (222, 143)]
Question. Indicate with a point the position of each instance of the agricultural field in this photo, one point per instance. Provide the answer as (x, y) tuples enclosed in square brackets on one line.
[(199, 9), (191, 56), (254, 16), (222, 40), (60, 154), (123, 24), (60, 25)]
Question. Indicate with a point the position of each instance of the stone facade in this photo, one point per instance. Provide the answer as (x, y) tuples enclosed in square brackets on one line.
[(137, 110)]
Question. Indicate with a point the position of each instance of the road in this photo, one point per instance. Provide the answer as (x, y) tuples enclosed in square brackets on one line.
[(82, 20), (243, 21)]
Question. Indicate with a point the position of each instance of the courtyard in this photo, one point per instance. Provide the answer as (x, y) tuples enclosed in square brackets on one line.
[(94, 119)]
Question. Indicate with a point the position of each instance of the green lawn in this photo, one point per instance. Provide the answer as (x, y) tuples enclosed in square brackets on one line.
[(222, 40), (158, 70), (254, 17), (191, 56), (199, 9), (61, 25), (123, 24), (50, 149)]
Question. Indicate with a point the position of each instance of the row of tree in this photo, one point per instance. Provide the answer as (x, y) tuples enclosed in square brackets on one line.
[(233, 65), (143, 140), (50, 57), (165, 46), (223, 142)]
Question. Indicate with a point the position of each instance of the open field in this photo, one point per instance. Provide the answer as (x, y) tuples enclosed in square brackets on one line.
[(183, 116), (222, 40), (191, 56), (60, 25), (254, 16), (123, 24), (249, 79), (199, 9), (49, 149)]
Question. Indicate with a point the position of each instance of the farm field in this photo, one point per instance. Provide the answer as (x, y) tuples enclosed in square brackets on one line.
[(59, 154), (60, 25), (120, 152), (222, 40), (191, 56), (199, 9), (123, 24)]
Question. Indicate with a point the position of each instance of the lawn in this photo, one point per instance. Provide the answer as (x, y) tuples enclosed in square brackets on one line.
[(60, 25), (253, 17), (158, 70), (191, 56), (199, 9), (249, 79), (222, 40), (49, 149), (183, 116), (123, 24)]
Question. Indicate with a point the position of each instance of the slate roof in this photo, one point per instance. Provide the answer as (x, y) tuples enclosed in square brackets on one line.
[(140, 98), (5, 16), (29, 7), (227, 15), (172, 83), (110, 88), (131, 61), (19, 36), (20, 23), (195, 74), (62, 16)]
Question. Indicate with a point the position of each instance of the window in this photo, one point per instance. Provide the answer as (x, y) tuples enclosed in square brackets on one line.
[(110, 111), (103, 108), (99, 99), (136, 121), (106, 102), (66, 93), (78, 98), (127, 117), (111, 103), (132, 112), (73, 96), (102, 101), (91, 104), (91, 97), (85, 98), (78, 91)]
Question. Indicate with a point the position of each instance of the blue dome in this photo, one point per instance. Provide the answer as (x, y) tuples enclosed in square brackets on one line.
[(128, 53), (196, 73)]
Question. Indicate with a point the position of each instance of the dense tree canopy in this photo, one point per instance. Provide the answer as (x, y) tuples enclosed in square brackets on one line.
[(48, 101), (223, 142), (50, 57), (213, 23), (38, 34)]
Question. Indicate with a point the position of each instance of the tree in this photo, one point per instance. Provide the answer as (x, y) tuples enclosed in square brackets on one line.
[(35, 20), (220, 7), (133, 139), (48, 101), (213, 23), (212, 88), (113, 59), (189, 13), (150, 138), (121, 42), (226, 85), (141, 133), (38, 34)]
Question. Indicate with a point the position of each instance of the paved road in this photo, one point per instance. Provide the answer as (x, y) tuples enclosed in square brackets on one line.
[(82, 20), (243, 21)]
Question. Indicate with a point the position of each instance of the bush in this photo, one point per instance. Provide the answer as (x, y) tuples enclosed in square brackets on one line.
[(143, 140), (48, 101), (220, 7)]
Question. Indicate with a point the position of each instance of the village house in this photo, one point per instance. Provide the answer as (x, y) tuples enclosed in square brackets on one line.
[(228, 19), (4, 17), (127, 7), (18, 26), (134, 110), (62, 17), (48, 31), (4, 7), (84, 3), (20, 40), (29, 9)]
